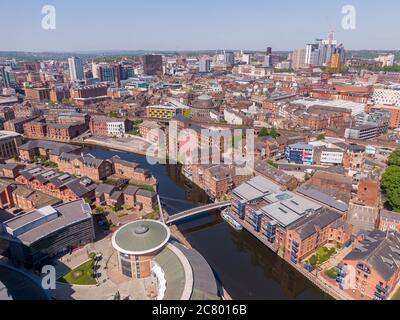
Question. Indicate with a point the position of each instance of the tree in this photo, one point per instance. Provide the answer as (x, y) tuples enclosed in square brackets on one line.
[(321, 136), (263, 132), (273, 133), (390, 184), (394, 158)]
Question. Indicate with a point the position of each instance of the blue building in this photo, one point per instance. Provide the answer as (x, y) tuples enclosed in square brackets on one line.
[(300, 153)]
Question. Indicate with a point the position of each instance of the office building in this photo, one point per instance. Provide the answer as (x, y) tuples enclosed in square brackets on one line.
[(152, 65), (204, 65), (76, 69), (48, 232), (229, 58), (300, 153)]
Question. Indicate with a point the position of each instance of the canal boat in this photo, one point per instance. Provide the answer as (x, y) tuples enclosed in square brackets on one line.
[(231, 221)]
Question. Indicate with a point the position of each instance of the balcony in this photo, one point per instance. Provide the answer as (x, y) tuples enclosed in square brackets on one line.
[(295, 249), (294, 255), (380, 296), (382, 290), (293, 260), (295, 243)]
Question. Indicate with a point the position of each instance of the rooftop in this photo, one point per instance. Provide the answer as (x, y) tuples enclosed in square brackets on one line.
[(141, 237), (35, 225)]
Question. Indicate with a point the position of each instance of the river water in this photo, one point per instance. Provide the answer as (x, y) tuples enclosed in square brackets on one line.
[(246, 268)]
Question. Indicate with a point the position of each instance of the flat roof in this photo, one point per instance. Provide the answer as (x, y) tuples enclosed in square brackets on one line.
[(281, 214), (141, 237), (35, 225)]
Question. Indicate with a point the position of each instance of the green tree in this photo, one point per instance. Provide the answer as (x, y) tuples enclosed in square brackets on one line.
[(273, 133), (394, 158), (321, 137), (263, 133), (390, 184)]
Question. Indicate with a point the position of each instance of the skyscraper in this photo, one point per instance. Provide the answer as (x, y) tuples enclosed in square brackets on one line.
[(152, 65), (76, 69), (204, 65), (320, 52), (229, 58), (268, 58)]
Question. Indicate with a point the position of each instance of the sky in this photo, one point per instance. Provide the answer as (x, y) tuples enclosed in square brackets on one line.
[(85, 25)]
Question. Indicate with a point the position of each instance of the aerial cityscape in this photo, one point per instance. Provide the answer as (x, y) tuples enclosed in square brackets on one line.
[(241, 161)]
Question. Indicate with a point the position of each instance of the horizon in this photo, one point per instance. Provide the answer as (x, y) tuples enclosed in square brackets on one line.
[(185, 26)]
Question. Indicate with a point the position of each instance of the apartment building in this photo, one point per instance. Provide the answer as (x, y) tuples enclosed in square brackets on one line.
[(9, 143), (218, 179), (268, 212), (372, 266), (87, 165), (49, 150), (57, 184), (17, 124), (132, 171), (113, 127), (325, 227), (133, 197)]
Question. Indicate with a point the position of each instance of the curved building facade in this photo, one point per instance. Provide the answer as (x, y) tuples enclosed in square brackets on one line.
[(145, 249), (137, 243)]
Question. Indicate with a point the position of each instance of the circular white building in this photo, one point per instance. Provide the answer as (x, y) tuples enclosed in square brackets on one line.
[(137, 243)]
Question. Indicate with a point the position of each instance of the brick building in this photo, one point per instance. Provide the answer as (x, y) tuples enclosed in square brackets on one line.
[(49, 150), (59, 185), (309, 234), (17, 125), (372, 266)]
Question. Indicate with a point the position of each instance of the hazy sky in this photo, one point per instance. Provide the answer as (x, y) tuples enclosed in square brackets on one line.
[(189, 24)]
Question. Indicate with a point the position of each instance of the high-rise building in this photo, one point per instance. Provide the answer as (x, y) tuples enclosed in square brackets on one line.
[(95, 70), (268, 58), (76, 69), (229, 58), (320, 52), (3, 77), (152, 65), (204, 65), (298, 58)]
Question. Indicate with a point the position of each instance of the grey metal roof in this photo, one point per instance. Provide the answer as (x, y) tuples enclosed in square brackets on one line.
[(323, 198), (32, 226), (281, 214)]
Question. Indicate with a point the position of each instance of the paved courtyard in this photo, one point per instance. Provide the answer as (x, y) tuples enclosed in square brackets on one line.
[(109, 279)]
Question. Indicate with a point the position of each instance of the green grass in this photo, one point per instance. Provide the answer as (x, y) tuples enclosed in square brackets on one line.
[(323, 254), (396, 296), (81, 275), (332, 273)]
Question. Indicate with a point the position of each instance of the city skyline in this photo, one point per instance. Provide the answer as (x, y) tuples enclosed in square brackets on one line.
[(180, 25)]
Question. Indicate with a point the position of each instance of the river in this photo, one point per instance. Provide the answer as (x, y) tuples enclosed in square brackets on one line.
[(246, 268)]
